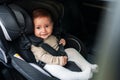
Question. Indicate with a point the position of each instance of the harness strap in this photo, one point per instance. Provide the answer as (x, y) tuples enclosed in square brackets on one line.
[(49, 49), (61, 50), (39, 42)]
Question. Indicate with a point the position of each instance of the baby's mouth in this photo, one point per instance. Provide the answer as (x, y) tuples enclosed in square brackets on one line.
[(43, 34)]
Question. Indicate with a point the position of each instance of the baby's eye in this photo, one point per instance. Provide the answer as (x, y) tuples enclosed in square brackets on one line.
[(37, 27), (47, 26)]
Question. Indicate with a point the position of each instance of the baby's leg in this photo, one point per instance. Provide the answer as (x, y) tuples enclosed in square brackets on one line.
[(65, 74), (74, 55)]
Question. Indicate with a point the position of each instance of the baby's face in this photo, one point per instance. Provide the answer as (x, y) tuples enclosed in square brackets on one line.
[(43, 27)]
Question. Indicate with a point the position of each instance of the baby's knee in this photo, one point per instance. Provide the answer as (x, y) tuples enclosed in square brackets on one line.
[(69, 49)]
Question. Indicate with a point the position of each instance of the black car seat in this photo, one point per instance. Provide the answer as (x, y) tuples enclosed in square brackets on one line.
[(14, 23)]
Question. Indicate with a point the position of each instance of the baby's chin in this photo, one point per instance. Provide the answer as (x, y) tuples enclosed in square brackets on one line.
[(44, 37)]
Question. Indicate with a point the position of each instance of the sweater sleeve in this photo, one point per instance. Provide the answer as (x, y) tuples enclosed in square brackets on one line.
[(42, 55)]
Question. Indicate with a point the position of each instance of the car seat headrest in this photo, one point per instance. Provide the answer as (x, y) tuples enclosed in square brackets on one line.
[(23, 18), (8, 24), (54, 7), (14, 21)]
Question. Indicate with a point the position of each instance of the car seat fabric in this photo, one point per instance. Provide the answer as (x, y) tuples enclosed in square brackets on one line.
[(23, 46), (6, 33), (14, 22), (3, 56), (30, 72), (25, 25), (10, 30), (23, 19)]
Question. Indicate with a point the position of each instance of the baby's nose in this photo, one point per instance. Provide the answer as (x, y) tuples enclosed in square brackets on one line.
[(43, 29)]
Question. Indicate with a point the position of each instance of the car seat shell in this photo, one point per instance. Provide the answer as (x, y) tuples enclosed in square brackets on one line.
[(20, 23)]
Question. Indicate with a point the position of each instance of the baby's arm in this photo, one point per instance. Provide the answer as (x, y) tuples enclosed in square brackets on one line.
[(42, 55)]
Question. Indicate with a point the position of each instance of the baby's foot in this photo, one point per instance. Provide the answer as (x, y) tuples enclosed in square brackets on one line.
[(94, 68), (87, 74)]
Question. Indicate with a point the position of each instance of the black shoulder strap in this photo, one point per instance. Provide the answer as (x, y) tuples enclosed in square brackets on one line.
[(24, 45), (49, 49), (35, 40), (52, 51), (61, 50), (39, 42)]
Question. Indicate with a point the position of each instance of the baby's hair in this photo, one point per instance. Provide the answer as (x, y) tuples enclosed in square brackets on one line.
[(41, 13)]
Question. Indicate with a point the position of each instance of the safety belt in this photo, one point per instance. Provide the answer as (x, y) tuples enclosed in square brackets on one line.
[(39, 42)]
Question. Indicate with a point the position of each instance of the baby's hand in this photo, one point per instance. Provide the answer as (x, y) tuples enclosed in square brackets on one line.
[(62, 41), (63, 60)]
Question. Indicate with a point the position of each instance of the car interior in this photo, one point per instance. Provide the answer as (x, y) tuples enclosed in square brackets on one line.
[(79, 20)]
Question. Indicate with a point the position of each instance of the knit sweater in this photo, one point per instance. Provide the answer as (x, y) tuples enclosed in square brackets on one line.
[(42, 55)]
